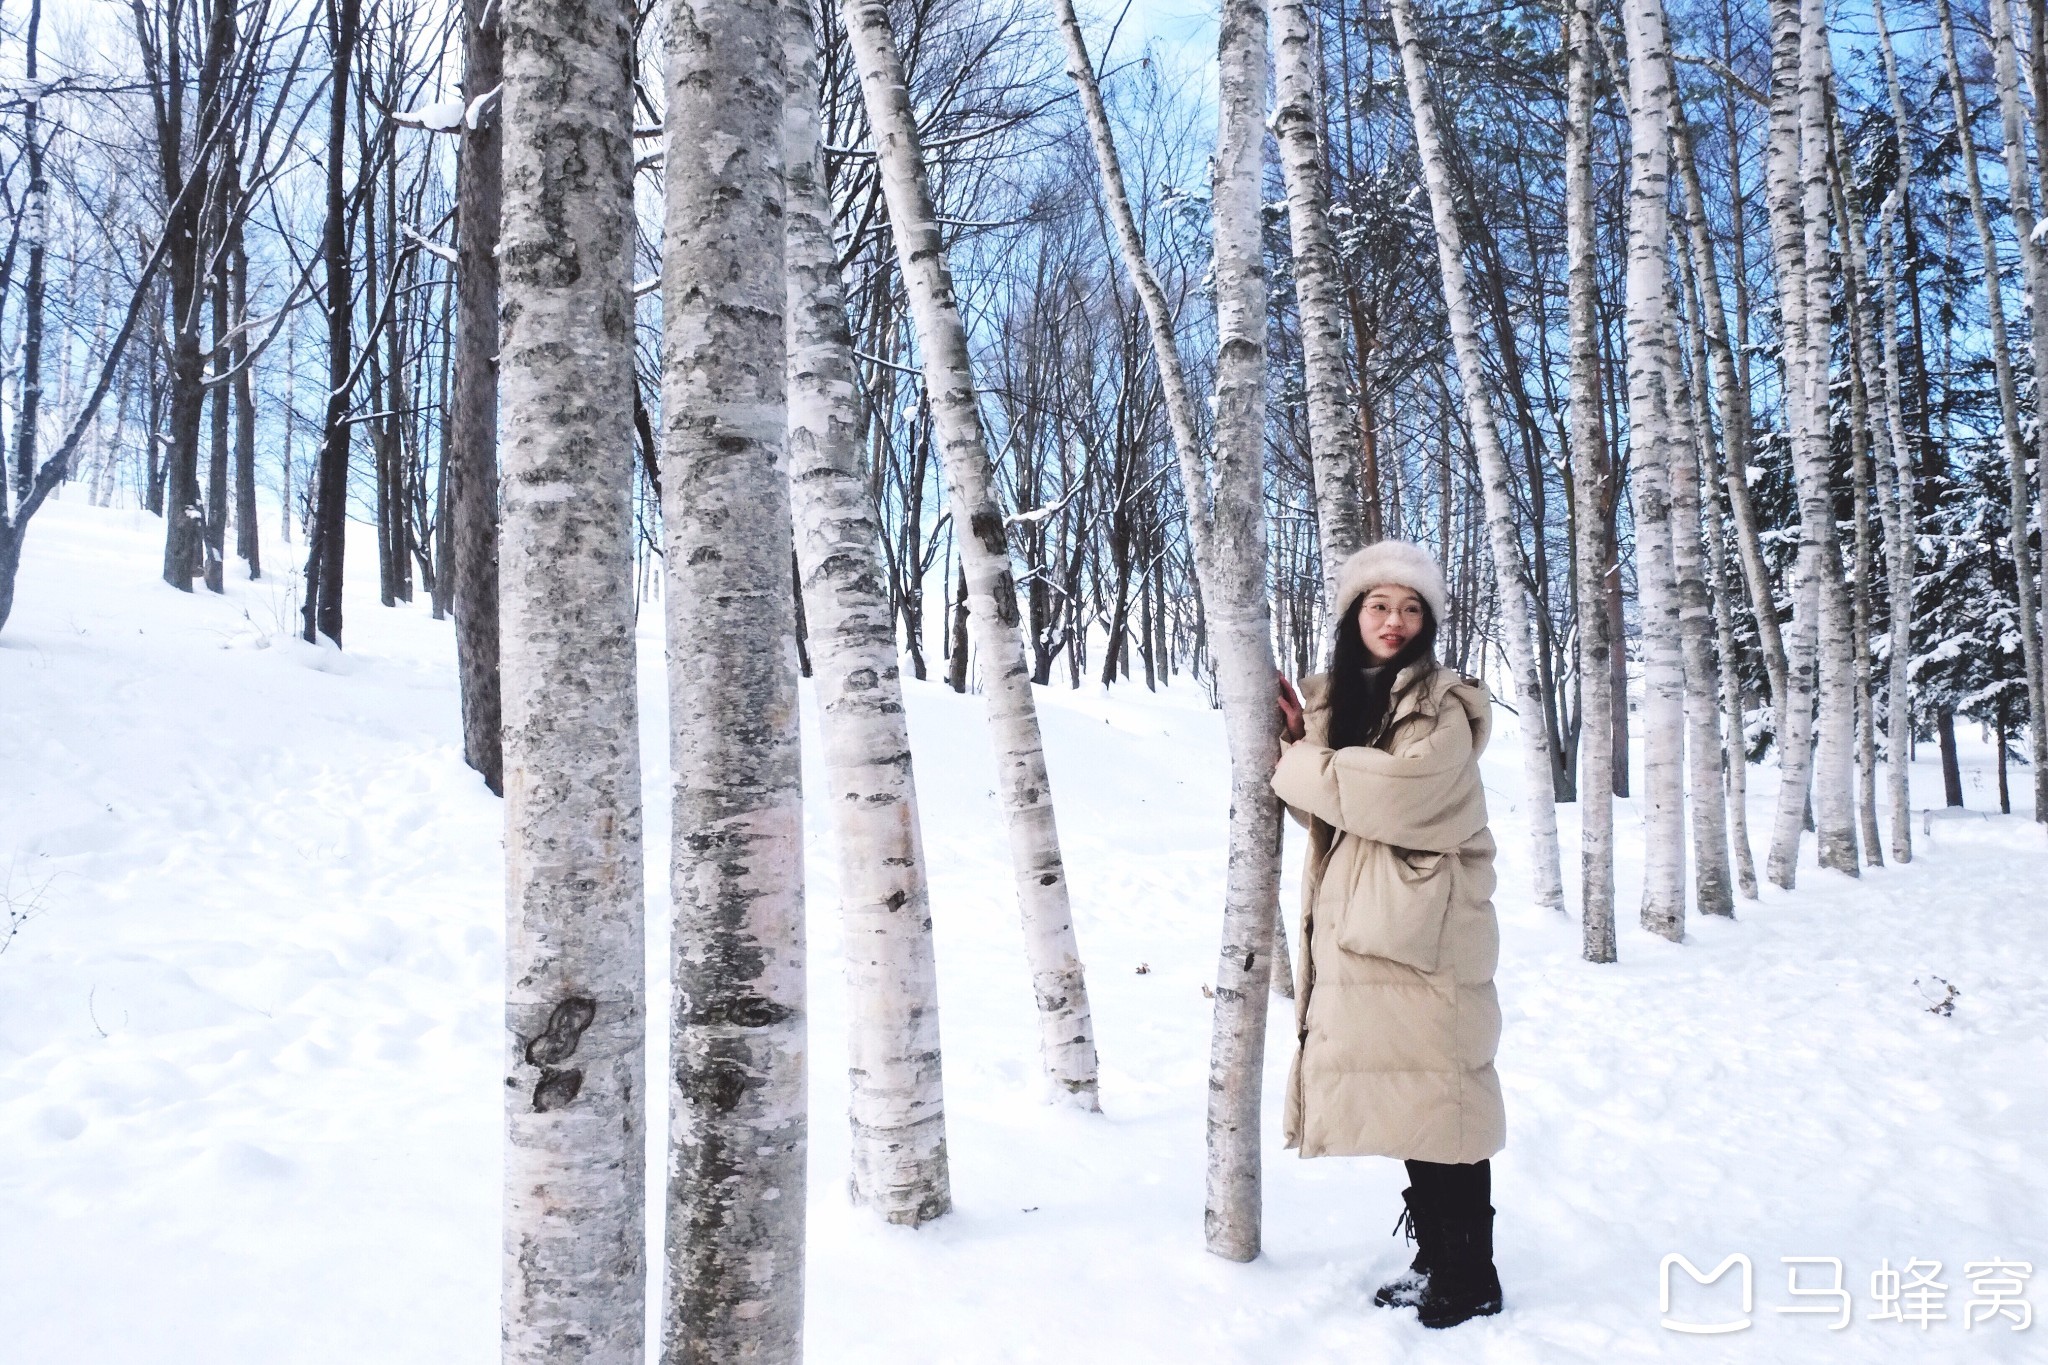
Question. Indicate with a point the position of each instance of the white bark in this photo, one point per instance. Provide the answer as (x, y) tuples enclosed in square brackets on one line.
[(1228, 534), (1731, 402), (738, 1120), (1591, 475), (574, 1245), (1720, 586), (1496, 479), (1332, 434), (1994, 300), (1899, 534), (897, 1108), (1713, 890), (1834, 750), (1735, 741), (1782, 170), (1653, 408), (1239, 625), (2019, 177), (1869, 440), (1067, 1034)]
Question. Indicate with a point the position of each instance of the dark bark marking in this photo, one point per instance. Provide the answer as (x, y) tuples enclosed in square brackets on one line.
[(988, 529), (557, 1089), (557, 1043), (739, 1011)]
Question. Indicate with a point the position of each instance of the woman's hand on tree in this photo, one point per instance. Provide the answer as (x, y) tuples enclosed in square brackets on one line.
[(1292, 726)]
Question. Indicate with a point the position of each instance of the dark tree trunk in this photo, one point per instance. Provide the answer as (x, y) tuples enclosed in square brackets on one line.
[(1951, 767), (1618, 661), (473, 406), (330, 509), (10, 562), (643, 431), (185, 517), (441, 586), (956, 672), (1374, 526), (394, 465), (6, 292), (1116, 646), (2004, 786), (247, 542), (36, 229), (1145, 642), (219, 401), (803, 629), (384, 423), (153, 463), (1045, 648)]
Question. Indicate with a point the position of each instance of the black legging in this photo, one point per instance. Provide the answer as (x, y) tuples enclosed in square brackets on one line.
[(1468, 1183)]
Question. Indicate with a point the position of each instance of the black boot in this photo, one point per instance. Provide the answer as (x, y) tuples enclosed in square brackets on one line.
[(1405, 1289), (1462, 1282)]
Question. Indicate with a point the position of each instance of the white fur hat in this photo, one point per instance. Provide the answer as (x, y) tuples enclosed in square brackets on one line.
[(1393, 561)]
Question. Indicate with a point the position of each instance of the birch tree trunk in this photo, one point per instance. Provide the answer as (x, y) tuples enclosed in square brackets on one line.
[(1239, 625), (1735, 763), (2001, 354), (1652, 408), (1496, 479), (1834, 751), (1227, 533), (1332, 434), (1782, 168), (1732, 402), (2019, 179), (2037, 73), (574, 1252), (897, 1109), (1713, 889), (738, 1120), (1868, 439), (1593, 489), (1066, 1029), (1899, 534), (1721, 585), (473, 406)]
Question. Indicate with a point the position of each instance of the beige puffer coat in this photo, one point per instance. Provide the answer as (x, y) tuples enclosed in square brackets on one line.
[(1396, 1018)]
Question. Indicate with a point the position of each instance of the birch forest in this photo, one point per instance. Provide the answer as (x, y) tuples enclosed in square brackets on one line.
[(1031, 348)]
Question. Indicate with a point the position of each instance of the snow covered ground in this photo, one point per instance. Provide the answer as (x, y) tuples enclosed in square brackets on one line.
[(249, 1043)]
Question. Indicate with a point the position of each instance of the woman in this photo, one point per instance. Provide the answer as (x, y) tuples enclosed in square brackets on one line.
[(1395, 1012)]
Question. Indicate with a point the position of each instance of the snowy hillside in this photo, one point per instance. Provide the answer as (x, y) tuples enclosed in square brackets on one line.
[(249, 1042)]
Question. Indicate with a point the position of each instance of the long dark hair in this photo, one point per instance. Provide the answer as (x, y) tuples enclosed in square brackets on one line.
[(1362, 704)]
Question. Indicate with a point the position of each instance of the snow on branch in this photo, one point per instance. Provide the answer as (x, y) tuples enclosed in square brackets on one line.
[(429, 245), (1038, 514), (442, 116), (476, 106)]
